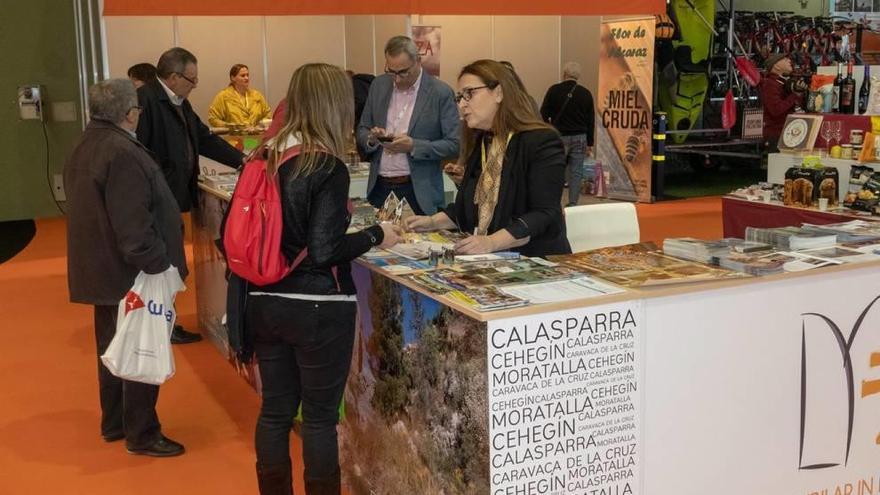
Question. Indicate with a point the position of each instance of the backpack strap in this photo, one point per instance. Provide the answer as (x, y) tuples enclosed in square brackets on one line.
[(288, 154), (564, 104), (302, 256)]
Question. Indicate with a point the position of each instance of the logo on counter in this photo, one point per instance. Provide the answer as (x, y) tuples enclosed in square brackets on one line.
[(868, 388)]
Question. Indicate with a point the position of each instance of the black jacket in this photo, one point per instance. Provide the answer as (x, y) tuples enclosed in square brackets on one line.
[(162, 131), (529, 198), (315, 215), (121, 216), (578, 116)]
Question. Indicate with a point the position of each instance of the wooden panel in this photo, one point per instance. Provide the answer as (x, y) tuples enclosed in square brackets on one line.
[(154, 35), (296, 40), (219, 43)]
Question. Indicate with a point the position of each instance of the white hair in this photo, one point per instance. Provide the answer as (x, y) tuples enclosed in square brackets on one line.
[(112, 99), (571, 70)]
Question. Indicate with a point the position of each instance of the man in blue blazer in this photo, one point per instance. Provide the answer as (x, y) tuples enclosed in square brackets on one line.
[(409, 125)]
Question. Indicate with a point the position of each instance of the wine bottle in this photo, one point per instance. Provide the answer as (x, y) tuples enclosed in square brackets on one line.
[(848, 91), (838, 81), (865, 91)]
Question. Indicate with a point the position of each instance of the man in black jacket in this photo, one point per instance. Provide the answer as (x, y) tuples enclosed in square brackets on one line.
[(121, 219), (569, 107), (174, 133)]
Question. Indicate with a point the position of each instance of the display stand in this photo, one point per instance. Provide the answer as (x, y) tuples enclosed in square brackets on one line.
[(778, 163), (672, 390), (738, 213)]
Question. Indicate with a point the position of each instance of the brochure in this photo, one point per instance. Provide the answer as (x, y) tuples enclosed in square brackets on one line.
[(641, 265), (562, 290)]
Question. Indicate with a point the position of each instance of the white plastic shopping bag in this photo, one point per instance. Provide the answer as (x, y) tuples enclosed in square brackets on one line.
[(141, 349)]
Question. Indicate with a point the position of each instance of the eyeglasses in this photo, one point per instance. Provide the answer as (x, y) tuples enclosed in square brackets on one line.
[(467, 93), (399, 73), (194, 81)]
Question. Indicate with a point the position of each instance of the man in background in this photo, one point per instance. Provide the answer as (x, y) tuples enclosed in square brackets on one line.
[(141, 73), (568, 106), (176, 135), (781, 96), (409, 125)]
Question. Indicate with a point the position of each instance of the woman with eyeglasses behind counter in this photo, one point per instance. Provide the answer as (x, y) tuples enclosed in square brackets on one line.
[(510, 194)]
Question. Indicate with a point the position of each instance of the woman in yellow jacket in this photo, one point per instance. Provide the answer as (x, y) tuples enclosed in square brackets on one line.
[(237, 104)]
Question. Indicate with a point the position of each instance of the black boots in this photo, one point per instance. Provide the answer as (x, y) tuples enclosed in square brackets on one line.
[(274, 479), (327, 486)]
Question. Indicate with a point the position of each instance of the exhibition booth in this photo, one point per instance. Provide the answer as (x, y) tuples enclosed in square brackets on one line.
[(616, 371)]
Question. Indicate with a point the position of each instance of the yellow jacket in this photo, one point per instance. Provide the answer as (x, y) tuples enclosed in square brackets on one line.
[(229, 107)]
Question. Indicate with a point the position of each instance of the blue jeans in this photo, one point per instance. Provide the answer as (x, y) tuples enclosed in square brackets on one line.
[(575, 152)]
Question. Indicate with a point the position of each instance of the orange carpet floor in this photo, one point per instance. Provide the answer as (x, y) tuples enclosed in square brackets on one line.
[(49, 414)]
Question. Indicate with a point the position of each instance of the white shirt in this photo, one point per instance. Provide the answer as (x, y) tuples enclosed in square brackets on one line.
[(177, 100), (400, 110)]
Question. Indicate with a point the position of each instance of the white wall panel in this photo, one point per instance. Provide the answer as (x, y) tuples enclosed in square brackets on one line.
[(531, 44), (219, 43), (296, 40), (132, 40), (463, 40)]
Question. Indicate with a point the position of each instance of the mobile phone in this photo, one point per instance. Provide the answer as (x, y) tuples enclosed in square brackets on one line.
[(385, 139)]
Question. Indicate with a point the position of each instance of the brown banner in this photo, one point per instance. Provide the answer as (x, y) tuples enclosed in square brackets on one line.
[(355, 7), (626, 73)]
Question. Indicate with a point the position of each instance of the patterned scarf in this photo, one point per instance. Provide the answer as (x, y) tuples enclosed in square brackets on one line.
[(489, 183)]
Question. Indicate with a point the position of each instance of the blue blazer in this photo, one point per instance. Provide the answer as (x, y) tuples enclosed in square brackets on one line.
[(434, 128)]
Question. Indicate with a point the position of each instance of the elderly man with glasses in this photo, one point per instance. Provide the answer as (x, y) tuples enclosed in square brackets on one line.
[(410, 124), (176, 135), (121, 219)]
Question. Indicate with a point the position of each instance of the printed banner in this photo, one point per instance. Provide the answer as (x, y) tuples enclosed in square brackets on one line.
[(564, 401), (359, 7), (626, 71), (427, 38)]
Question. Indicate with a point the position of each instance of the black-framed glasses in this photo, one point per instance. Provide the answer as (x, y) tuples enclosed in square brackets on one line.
[(467, 93), (399, 73), (194, 82)]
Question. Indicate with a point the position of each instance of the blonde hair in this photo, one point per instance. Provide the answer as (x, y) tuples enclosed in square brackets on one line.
[(516, 112), (320, 113)]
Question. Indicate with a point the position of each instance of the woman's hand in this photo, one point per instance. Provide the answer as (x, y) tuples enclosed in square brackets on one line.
[(392, 235), (475, 244), (420, 223)]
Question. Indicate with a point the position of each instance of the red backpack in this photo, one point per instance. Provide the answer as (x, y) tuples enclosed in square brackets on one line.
[(252, 235)]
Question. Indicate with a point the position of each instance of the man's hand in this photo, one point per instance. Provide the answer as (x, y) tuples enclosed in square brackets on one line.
[(401, 144), (374, 133), (455, 172)]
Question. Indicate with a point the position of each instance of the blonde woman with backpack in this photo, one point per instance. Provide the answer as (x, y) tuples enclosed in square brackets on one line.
[(303, 325)]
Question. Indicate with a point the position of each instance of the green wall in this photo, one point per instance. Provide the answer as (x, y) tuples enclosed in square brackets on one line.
[(38, 40)]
